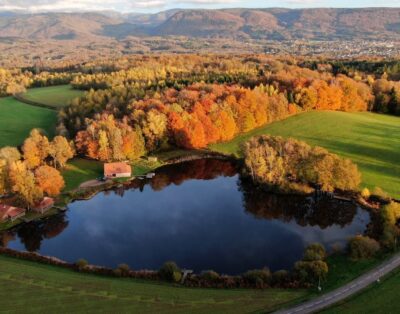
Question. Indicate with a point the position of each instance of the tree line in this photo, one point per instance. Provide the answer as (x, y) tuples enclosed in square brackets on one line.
[(291, 165), (33, 171)]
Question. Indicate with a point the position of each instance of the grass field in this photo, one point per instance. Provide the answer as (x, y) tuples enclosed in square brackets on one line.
[(370, 140), (80, 170), (55, 96), (18, 119), (379, 298), (27, 287)]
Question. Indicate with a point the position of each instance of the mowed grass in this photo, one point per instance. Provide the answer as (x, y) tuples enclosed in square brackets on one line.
[(55, 96), (379, 298), (18, 119), (27, 287), (371, 140), (80, 170)]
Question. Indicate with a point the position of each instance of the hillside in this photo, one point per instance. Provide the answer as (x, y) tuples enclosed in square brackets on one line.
[(281, 24)]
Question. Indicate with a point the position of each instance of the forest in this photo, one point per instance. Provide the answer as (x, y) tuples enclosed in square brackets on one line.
[(203, 100), (137, 105)]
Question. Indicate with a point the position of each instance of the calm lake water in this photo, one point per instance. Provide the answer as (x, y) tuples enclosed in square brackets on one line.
[(199, 214)]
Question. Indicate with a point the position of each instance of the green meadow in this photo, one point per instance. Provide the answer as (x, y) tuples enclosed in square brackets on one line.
[(28, 287), (371, 140), (379, 298), (54, 96), (18, 119)]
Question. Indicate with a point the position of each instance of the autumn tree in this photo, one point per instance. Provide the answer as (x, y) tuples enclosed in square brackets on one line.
[(361, 247), (36, 149), (60, 151), (312, 267), (284, 164), (49, 180), (8, 155), (23, 183)]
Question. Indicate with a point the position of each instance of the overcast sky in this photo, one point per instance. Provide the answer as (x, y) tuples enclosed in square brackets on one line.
[(159, 5)]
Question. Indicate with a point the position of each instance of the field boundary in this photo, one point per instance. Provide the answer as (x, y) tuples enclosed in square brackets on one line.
[(20, 98)]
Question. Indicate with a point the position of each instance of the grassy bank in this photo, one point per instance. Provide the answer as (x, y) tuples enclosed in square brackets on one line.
[(54, 96), (379, 298), (370, 140), (80, 170), (31, 287), (18, 119)]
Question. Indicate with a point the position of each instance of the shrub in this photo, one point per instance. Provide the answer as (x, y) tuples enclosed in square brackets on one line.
[(365, 193), (117, 272), (380, 195), (258, 276), (314, 252), (312, 266), (210, 275), (363, 247), (176, 276), (168, 270), (280, 277), (82, 263), (390, 216), (124, 269)]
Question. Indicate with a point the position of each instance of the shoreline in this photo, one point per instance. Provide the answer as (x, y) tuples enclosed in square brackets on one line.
[(87, 193)]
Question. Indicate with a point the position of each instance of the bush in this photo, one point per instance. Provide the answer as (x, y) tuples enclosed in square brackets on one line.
[(390, 216), (258, 276), (311, 271), (82, 263), (168, 271), (312, 266), (176, 276), (124, 269), (314, 252), (380, 195), (280, 277), (117, 272), (365, 193), (210, 275), (363, 247)]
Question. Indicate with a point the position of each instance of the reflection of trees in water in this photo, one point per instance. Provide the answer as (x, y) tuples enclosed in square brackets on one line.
[(305, 211), (202, 169), (33, 233), (322, 212)]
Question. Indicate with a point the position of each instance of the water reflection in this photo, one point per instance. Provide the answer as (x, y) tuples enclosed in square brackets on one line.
[(199, 214), (305, 211)]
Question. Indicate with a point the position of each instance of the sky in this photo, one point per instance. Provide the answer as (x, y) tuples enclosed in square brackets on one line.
[(160, 5)]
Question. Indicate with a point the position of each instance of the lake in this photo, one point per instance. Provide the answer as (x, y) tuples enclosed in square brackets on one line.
[(200, 214)]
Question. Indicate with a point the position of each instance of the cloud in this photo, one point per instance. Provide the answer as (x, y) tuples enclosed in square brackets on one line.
[(90, 5), (211, 2), (148, 4), (65, 5)]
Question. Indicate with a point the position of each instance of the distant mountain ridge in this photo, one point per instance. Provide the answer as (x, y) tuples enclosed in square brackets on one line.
[(274, 23)]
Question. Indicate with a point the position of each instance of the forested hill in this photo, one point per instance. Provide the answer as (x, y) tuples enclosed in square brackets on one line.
[(279, 24)]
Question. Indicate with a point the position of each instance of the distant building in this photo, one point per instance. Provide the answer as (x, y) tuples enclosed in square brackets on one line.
[(117, 170), (44, 205), (10, 212)]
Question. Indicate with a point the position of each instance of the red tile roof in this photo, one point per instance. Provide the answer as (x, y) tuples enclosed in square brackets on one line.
[(116, 168), (7, 211), (45, 203)]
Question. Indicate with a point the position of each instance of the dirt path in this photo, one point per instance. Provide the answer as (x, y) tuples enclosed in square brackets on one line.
[(93, 183), (345, 291)]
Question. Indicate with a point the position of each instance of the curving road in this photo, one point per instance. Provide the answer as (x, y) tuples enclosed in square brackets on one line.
[(345, 291)]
